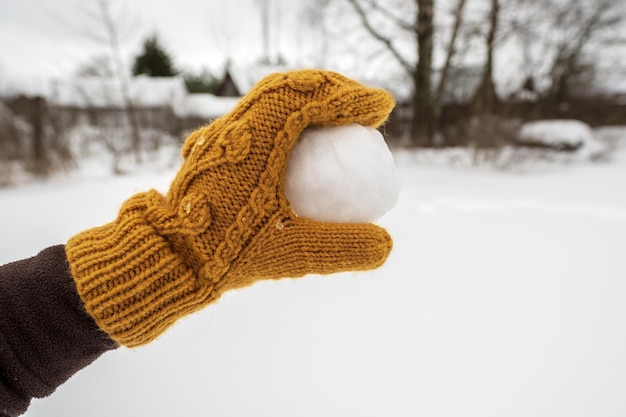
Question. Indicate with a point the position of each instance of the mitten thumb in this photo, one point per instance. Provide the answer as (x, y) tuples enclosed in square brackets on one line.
[(293, 247)]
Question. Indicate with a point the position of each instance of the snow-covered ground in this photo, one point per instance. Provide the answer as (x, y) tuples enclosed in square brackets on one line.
[(504, 296)]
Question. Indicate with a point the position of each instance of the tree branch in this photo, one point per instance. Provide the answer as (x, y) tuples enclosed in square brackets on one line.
[(450, 52), (406, 65), (395, 19)]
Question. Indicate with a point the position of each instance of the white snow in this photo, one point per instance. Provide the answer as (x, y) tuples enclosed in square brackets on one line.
[(503, 296), (341, 174), (209, 106)]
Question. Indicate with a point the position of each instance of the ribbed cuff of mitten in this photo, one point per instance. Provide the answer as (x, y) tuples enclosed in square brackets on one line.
[(130, 280)]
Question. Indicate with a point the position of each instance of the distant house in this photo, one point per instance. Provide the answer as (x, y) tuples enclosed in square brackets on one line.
[(228, 87), (158, 102), (238, 80)]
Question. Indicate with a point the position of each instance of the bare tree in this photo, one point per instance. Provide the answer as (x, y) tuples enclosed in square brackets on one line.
[(582, 22), (428, 92), (112, 37), (109, 29), (486, 98), (313, 16), (98, 66), (551, 39), (418, 69), (562, 42), (422, 98), (450, 52), (265, 29)]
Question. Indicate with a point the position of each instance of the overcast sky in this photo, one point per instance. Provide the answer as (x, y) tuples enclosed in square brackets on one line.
[(46, 39), (43, 40)]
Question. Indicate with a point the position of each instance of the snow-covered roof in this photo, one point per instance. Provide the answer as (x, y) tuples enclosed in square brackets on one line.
[(105, 92), (209, 106)]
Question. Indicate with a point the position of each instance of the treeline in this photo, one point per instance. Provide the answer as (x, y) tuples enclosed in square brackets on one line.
[(555, 50)]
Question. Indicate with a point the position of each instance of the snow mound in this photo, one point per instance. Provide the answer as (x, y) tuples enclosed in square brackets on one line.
[(571, 135)]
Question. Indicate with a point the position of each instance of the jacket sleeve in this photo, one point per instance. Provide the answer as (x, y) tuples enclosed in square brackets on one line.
[(45, 334)]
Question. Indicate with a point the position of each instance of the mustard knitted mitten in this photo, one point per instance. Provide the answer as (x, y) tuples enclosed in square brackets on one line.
[(225, 222)]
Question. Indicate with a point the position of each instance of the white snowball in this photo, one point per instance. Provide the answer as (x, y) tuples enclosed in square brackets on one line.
[(341, 174)]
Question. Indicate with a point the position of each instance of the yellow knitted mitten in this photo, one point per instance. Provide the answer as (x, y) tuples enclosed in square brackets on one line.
[(225, 222)]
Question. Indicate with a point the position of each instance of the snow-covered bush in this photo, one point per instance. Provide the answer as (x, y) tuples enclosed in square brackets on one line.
[(113, 146), (563, 135)]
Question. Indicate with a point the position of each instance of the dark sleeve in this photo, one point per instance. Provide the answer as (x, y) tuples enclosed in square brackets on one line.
[(45, 334)]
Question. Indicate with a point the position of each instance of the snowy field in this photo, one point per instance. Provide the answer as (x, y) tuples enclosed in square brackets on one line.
[(505, 295)]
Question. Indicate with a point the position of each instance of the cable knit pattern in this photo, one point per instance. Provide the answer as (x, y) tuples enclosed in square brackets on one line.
[(225, 221)]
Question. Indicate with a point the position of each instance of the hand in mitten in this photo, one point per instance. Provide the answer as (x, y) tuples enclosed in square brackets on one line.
[(225, 222)]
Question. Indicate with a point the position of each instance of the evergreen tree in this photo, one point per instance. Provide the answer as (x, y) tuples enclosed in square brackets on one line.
[(153, 61), (201, 82)]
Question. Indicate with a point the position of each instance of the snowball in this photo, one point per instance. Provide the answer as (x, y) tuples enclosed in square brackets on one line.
[(341, 174)]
